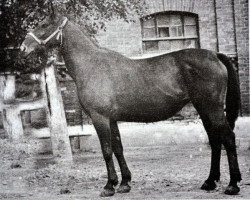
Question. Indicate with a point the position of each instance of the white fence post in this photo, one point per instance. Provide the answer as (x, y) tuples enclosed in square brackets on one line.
[(9, 89), (12, 123), (56, 118), (11, 114)]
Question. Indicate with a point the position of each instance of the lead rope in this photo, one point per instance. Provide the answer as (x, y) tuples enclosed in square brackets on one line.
[(60, 28), (59, 36)]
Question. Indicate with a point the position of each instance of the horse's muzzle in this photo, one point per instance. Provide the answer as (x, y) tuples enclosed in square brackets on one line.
[(25, 50)]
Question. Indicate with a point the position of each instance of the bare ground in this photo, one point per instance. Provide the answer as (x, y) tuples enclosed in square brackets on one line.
[(173, 171)]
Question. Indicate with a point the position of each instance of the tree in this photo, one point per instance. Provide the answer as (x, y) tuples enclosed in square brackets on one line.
[(17, 16)]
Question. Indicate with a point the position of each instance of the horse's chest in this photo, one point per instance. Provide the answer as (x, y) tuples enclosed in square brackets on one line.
[(96, 96)]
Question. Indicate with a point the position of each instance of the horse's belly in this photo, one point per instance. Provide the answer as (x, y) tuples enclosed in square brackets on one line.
[(150, 110)]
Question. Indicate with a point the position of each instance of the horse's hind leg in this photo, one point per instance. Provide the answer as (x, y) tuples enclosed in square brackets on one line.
[(228, 140), (219, 132), (215, 143), (118, 151), (102, 126)]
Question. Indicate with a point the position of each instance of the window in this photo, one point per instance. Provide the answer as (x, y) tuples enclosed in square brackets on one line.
[(169, 31)]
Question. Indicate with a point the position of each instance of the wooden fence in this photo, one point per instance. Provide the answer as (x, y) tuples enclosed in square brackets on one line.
[(51, 101)]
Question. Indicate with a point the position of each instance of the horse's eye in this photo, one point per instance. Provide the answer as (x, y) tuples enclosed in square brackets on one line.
[(44, 25)]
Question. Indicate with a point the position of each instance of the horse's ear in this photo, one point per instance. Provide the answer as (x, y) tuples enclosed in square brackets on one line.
[(51, 10), (52, 16), (55, 17)]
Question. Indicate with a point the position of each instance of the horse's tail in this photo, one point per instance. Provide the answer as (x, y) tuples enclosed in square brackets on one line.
[(233, 91)]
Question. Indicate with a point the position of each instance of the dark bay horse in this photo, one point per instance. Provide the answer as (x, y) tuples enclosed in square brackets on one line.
[(114, 88)]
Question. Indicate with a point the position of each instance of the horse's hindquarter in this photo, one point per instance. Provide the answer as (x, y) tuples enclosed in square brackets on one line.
[(205, 76)]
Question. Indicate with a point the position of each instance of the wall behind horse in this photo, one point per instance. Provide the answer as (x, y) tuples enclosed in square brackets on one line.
[(242, 33)]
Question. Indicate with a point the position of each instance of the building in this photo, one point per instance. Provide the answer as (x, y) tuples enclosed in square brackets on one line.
[(169, 25)]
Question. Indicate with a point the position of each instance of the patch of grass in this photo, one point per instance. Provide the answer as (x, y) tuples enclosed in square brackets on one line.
[(14, 154), (14, 150)]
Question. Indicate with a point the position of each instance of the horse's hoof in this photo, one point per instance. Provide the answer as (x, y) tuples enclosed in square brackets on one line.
[(208, 186), (232, 190), (124, 189), (107, 193)]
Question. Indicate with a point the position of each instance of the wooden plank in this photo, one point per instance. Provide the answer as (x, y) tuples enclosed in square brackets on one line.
[(169, 38), (44, 133), (31, 105)]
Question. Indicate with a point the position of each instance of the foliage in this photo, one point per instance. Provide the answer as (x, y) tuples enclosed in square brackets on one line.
[(18, 16)]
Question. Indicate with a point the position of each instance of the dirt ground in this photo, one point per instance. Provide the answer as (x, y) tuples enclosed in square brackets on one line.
[(173, 171)]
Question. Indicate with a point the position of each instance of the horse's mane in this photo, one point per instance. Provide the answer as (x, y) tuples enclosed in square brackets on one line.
[(90, 37)]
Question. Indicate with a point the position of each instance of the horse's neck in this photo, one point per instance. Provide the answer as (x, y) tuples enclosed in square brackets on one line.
[(76, 48)]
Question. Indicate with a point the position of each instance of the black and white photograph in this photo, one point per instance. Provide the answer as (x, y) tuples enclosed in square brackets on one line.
[(124, 99)]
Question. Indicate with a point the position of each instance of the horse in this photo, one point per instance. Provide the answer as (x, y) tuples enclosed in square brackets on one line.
[(112, 88)]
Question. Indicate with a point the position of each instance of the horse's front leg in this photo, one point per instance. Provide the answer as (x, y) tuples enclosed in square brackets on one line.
[(102, 126), (118, 150)]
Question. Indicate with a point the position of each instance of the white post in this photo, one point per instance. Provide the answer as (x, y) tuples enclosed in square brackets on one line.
[(8, 87), (12, 121), (56, 118)]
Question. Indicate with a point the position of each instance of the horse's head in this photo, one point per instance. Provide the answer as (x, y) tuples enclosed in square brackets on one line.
[(48, 33)]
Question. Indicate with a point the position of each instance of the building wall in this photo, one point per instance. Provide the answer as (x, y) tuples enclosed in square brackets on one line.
[(226, 30), (122, 37), (223, 27), (242, 38), (120, 33)]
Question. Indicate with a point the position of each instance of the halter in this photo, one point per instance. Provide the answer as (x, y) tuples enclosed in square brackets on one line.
[(57, 32)]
